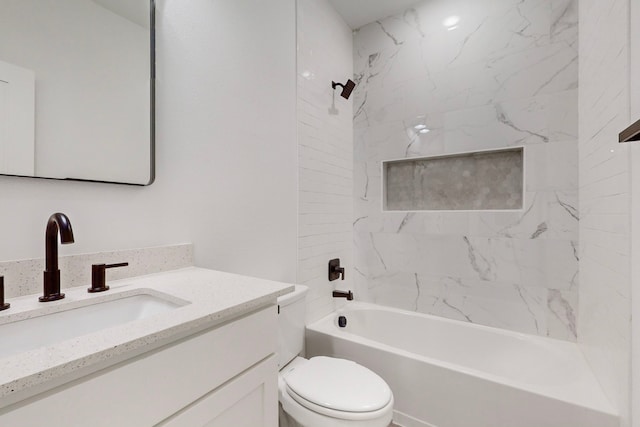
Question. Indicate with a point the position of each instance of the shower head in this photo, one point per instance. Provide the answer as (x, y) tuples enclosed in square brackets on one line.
[(347, 88)]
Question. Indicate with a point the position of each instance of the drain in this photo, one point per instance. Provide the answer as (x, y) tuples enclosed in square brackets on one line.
[(342, 321)]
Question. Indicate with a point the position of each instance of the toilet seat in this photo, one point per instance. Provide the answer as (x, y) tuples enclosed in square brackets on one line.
[(339, 389)]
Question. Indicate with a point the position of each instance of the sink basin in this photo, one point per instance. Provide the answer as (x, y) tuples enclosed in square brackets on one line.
[(41, 331)]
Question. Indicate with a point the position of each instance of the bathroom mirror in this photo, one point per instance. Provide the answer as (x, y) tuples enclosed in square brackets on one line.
[(77, 90)]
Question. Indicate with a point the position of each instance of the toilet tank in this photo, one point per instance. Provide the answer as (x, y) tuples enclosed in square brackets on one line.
[(291, 318)]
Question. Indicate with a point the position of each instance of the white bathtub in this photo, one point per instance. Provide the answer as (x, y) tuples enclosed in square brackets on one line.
[(446, 373)]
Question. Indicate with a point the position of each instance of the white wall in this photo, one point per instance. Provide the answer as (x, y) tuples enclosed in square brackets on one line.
[(325, 152), (605, 296), (226, 151)]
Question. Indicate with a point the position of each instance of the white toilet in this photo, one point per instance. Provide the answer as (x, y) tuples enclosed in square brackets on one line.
[(324, 391)]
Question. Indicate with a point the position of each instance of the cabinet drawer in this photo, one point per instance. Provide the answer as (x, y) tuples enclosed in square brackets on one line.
[(147, 389)]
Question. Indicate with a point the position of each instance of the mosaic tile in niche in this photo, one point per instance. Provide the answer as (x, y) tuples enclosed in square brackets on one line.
[(471, 181)]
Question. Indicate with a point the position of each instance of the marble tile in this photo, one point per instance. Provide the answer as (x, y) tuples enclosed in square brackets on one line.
[(507, 76), (533, 310), (538, 71), (489, 30), (547, 215), (528, 262), (486, 29), (564, 21), (509, 123), (524, 121), (552, 167)]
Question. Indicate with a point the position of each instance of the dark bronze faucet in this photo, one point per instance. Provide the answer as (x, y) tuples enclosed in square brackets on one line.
[(342, 294), (58, 223), (3, 305)]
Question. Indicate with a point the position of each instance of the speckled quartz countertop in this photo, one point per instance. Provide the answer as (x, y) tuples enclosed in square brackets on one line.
[(207, 298)]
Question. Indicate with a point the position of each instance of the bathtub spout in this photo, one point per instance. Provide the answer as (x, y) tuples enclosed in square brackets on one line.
[(342, 294)]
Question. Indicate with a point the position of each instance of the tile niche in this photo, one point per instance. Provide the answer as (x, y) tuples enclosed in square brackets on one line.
[(486, 180)]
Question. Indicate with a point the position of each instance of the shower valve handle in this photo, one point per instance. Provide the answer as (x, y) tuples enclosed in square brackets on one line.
[(335, 271)]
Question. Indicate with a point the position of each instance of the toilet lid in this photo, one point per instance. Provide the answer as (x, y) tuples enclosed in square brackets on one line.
[(339, 384)]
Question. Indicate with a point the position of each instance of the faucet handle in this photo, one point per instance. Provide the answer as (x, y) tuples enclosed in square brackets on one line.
[(99, 276), (335, 271), (3, 305)]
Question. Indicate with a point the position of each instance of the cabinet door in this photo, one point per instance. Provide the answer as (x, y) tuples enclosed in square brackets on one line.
[(249, 400)]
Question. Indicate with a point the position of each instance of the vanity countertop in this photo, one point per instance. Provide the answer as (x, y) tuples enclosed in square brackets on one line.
[(211, 298)]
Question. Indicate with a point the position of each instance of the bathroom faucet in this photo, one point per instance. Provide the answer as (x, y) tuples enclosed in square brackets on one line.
[(3, 305), (343, 294), (58, 224)]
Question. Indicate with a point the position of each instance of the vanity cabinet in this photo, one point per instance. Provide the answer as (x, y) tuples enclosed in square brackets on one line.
[(223, 376), (246, 401)]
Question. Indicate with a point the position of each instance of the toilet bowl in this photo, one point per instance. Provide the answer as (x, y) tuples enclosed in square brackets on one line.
[(324, 391), (329, 392)]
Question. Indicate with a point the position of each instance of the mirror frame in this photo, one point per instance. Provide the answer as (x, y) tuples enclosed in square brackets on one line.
[(152, 115)]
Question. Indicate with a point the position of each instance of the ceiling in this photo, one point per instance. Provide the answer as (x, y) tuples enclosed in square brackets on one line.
[(357, 13), (135, 11)]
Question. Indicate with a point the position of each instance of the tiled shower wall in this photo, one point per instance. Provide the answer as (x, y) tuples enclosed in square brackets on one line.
[(505, 76), (325, 150), (605, 292)]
